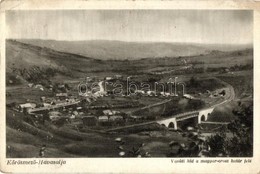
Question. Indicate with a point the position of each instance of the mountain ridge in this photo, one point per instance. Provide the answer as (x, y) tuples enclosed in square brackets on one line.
[(120, 50)]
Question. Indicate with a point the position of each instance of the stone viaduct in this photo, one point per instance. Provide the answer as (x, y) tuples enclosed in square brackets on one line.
[(172, 122)]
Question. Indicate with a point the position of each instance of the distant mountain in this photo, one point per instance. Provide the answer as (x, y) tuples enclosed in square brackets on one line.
[(105, 50)]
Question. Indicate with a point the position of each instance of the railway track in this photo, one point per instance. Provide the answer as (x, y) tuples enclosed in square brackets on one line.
[(228, 99)]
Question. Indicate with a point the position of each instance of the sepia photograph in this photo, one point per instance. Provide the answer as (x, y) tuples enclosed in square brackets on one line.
[(129, 83)]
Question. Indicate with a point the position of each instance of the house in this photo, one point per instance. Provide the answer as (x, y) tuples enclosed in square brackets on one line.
[(43, 99), (28, 105), (167, 94), (115, 112), (30, 85), (135, 118), (46, 104), (55, 113), (79, 108), (226, 70), (103, 118), (62, 95), (107, 112), (54, 117), (75, 113), (151, 93), (139, 92), (38, 86), (162, 93), (72, 117), (188, 96), (81, 113), (108, 78)]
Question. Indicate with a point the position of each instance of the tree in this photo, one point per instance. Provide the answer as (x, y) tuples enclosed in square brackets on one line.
[(217, 144), (241, 142)]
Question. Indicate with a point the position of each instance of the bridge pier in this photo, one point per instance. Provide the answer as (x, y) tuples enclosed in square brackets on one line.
[(203, 115), (202, 118), (170, 123), (173, 125)]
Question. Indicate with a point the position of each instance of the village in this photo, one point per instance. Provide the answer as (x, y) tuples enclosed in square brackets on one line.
[(100, 109)]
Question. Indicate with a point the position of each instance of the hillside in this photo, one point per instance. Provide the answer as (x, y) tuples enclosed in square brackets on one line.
[(104, 49), (30, 63), (25, 62)]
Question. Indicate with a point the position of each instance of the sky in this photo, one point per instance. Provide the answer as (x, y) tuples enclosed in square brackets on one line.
[(186, 26)]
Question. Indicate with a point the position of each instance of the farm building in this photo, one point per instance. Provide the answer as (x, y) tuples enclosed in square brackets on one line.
[(103, 118)]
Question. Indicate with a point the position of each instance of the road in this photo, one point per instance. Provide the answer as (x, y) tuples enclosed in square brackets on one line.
[(60, 105)]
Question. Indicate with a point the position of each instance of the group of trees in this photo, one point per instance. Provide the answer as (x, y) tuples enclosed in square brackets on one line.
[(240, 142), (234, 140)]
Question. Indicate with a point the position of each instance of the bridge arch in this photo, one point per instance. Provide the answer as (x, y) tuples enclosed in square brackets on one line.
[(204, 114), (203, 118), (171, 125)]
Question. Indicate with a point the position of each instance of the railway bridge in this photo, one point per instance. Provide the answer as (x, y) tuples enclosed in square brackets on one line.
[(172, 122)]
